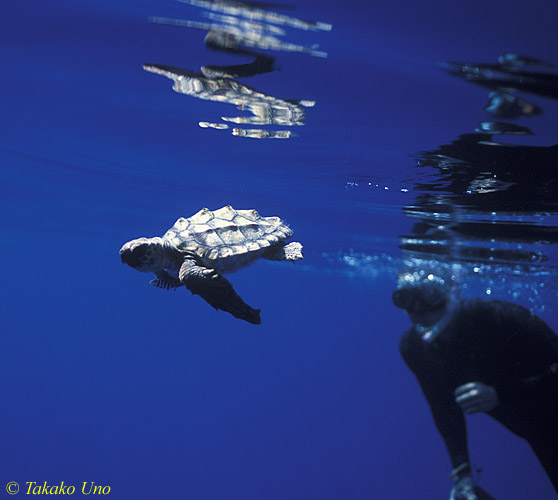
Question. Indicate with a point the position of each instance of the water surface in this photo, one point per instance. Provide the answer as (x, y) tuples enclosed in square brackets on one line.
[(107, 379)]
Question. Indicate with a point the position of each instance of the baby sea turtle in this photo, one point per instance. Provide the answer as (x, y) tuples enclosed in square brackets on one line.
[(196, 251)]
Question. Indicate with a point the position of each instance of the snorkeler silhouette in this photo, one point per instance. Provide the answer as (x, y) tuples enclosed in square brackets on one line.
[(476, 355), (513, 73)]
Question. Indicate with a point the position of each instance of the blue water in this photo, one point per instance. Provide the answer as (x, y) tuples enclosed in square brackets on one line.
[(153, 393)]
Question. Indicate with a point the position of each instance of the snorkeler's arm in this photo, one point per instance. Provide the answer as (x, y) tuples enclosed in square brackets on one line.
[(447, 415), (450, 422)]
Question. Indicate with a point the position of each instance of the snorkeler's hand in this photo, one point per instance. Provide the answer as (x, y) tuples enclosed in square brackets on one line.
[(475, 397), (463, 489)]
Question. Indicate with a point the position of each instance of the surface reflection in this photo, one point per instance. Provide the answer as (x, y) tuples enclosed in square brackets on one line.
[(488, 202), (265, 109), (243, 29), (483, 200), (513, 73)]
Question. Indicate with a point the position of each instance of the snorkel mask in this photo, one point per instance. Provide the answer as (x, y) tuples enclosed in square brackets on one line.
[(429, 293)]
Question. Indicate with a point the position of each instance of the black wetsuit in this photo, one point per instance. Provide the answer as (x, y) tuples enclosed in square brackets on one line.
[(502, 345)]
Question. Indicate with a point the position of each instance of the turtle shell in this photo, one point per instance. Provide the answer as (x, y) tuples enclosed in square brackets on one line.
[(226, 239)]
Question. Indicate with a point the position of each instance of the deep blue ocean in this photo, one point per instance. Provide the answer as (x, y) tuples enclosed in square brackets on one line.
[(154, 394)]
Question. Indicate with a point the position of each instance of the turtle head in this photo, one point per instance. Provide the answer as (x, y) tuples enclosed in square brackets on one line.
[(144, 254)]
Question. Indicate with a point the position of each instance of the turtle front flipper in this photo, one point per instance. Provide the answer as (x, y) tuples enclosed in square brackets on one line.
[(216, 291), (165, 280)]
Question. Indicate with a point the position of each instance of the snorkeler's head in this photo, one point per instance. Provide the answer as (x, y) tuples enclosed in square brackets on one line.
[(427, 292), (421, 298)]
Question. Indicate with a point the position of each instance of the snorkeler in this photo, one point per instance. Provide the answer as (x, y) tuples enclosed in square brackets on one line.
[(477, 355)]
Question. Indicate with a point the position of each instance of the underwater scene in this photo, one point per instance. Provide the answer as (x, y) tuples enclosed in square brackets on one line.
[(279, 250)]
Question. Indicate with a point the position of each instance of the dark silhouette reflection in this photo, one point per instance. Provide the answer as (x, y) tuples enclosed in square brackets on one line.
[(483, 175), (242, 29), (518, 61), (485, 208), (486, 192), (510, 75), (498, 201), (502, 128), (507, 105)]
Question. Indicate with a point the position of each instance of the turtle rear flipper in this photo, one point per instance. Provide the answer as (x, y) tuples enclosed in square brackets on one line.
[(291, 251), (216, 291)]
